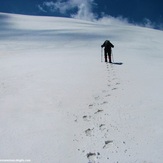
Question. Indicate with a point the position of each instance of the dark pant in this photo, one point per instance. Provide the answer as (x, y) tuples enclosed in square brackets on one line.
[(108, 55)]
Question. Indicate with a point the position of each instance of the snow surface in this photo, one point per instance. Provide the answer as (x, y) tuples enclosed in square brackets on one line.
[(60, 104)]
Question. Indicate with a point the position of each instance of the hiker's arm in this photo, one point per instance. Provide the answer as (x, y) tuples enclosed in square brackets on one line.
[(111, 45), (103, 45)]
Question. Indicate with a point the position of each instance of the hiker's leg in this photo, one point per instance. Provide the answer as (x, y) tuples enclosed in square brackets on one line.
[(105, 56), (110, 58)]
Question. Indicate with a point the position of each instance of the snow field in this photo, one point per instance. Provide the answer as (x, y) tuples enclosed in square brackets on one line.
[(60, 103)]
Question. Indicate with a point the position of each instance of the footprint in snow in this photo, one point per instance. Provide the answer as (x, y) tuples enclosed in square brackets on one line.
[(98, 111), (86, 118), (97, 98), (92, 157), (107, 144), (105, 102), (102, 127), (90, 106), (88, 132)]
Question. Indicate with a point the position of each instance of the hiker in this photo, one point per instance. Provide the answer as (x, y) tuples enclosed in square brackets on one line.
[(108, 45)]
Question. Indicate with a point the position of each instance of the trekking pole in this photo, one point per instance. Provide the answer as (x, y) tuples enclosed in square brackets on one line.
[(101, 56), (112, 56)]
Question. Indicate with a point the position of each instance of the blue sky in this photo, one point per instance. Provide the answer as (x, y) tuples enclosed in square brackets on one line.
[(135, 11)]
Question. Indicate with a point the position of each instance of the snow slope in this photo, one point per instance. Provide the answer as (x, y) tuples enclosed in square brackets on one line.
[(58, 101)]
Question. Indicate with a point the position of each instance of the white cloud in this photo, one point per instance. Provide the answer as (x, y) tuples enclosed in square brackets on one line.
[(62, 7), (107, 19), (41, 8), (84, 8), (147, 23)]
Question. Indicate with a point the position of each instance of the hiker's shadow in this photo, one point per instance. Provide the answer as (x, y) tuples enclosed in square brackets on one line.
[(117, 63)]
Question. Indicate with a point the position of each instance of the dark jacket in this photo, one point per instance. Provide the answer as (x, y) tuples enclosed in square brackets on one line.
[(108, 45)]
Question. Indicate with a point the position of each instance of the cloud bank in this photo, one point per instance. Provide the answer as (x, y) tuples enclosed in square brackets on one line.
[(80, 9), (83, 9)]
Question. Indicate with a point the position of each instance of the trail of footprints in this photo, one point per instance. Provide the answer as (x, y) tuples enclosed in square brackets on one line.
[(95, 118)]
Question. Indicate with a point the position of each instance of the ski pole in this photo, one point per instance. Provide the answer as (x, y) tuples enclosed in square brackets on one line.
[(101, 56), (112, 56)]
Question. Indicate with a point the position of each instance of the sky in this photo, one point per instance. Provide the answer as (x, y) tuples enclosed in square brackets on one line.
[(142, 12)]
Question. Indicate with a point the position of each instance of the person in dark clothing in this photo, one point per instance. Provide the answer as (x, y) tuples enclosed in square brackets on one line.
[(107, 50)]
